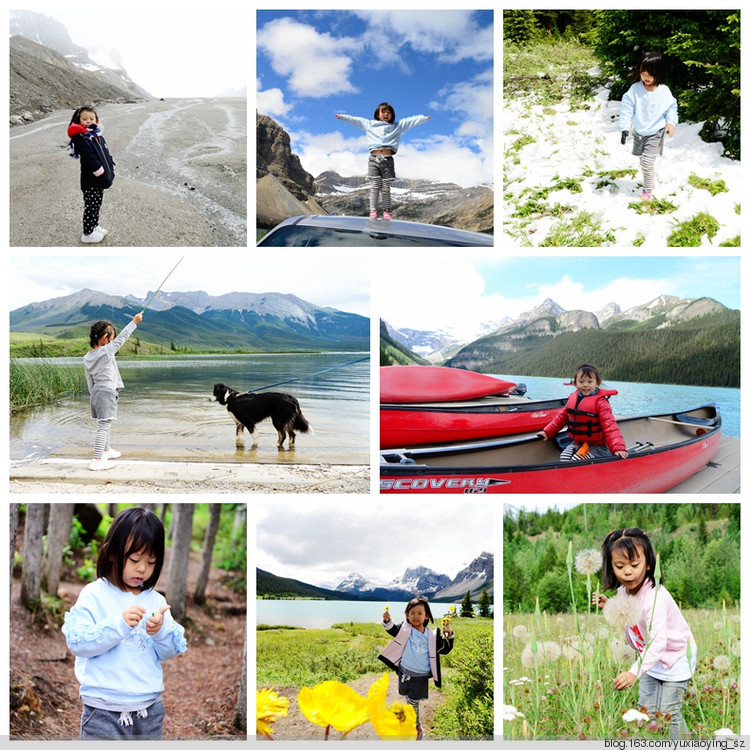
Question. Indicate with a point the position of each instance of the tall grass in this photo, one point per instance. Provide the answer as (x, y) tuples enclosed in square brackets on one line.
[(42, 382)]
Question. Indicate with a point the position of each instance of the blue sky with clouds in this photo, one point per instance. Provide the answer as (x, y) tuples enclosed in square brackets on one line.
[(314, 64)]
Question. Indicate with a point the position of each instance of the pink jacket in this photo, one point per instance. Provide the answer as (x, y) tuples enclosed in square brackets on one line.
[(436, 645), (666, 641)]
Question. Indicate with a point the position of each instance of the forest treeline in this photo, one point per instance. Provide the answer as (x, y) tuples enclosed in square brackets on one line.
[(701, 48), (699, 546), (705, 351)]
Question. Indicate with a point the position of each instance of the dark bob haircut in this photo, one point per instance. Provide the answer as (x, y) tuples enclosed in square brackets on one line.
[(98, 329), (133, 530), (76, 118), (653, 63), (627, 541), (387, 106), (588, 370), (415, 603)]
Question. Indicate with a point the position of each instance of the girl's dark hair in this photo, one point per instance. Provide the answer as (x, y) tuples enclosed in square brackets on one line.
[(416, 602), (77, 114), (653, 63), (628, 541), (588, 370), (387, 106), (98, 329), (132, 530)]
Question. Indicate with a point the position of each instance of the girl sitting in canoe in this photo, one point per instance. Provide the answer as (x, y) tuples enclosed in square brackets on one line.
[(589, 419), (654, 626)]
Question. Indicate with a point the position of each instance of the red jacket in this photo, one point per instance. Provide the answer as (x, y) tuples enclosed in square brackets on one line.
[(589, 420)]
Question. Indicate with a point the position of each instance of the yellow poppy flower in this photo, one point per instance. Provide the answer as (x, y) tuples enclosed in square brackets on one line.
[(333, 704), (269, 705), (395, 722)]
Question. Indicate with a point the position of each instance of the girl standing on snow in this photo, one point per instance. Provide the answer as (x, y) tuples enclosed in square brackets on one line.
[(383, 136), (120, 631), (97, 168), (415, 651), (651, 110)]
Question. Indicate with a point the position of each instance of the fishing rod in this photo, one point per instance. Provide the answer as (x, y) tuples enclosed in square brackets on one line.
[(162, 284), (312, 375)]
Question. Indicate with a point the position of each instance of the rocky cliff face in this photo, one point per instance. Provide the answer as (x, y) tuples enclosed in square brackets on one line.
[(283, 188)]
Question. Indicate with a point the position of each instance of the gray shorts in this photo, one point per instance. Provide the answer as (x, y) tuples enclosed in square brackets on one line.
[(381, 165), (104, 403), (649, 145), (99, 724)]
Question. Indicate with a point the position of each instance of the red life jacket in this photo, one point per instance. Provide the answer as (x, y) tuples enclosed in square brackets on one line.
[(583, 419)]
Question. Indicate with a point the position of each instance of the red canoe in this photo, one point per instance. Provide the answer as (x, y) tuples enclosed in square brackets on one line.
[(413, 385), (664, 451), (422, 424)]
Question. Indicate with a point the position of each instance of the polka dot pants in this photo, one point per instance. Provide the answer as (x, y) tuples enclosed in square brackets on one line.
[(92, 202)]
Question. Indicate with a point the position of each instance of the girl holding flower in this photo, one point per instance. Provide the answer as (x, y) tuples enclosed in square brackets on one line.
[(414, 653), (654, 625)]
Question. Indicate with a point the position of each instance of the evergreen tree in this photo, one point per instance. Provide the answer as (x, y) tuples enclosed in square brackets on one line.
[(484, 603), (467, 610), (520, 27)]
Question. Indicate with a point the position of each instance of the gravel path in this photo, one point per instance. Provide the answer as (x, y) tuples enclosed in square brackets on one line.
[(181, 181)]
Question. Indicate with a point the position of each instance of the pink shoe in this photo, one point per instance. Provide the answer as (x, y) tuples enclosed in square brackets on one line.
[(646, 196), (387, 215), (373, 214)]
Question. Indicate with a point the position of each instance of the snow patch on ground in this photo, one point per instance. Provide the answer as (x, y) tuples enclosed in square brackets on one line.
[(569, 144)]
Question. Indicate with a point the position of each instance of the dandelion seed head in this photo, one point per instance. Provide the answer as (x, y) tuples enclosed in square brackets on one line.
[(547, 651), (520, 632), (588, 562), (718, 625), (721, 663), (724, 732), (633, 715), (622, 611)]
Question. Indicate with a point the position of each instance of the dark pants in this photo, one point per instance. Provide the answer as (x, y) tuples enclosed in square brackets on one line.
[(92, 202), (98, 724)]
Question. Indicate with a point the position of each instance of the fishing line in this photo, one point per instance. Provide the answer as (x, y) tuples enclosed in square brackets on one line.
[(320, 372), (162, 284)]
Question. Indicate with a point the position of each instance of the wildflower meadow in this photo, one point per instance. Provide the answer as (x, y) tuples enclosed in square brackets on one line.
[(560, 656)]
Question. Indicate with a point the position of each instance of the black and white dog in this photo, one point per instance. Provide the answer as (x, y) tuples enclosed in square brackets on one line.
[(250, 408)]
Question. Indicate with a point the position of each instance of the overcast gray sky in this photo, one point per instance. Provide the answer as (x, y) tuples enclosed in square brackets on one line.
[(338, 281), (321, 542), (171, 49)]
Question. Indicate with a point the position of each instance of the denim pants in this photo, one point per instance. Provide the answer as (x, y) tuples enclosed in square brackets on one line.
[(659, 695), (99, 724)]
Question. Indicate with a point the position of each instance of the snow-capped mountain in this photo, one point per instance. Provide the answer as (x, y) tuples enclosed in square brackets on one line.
[(355, 583), (473, 577), (419, 580)]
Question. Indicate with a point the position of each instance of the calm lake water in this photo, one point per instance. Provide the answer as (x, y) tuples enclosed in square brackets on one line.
[(305, 613), (637, 399), (164, 412)]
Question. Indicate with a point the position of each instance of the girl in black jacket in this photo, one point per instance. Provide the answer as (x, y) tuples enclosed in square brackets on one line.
[(97, 168)]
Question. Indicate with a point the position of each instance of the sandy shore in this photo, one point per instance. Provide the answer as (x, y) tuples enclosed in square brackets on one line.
[(181, 177), (72, 476)]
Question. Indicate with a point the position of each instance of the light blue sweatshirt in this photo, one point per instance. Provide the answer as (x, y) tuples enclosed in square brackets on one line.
[(119, 667), (647, 112), (384, 134)]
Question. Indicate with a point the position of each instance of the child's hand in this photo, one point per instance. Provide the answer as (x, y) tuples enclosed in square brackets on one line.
[(600, 602), (621, 454), (154, 623), (386, 616), (542, 434), (133, 615), (338, 117), (625, 134), (670, 130), (623, 680), (137, 318), (447, 630)]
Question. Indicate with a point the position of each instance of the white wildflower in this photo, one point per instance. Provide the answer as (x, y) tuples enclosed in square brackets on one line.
[(721, 663), (724, 732), (588, 561), (511, 712), (633, 715), (622, 611)]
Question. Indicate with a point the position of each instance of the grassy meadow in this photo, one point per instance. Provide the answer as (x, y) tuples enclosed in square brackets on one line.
[(296, 658), (567, 692)]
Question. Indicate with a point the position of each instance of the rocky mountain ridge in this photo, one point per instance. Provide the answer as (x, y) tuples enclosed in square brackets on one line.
[(48, 72)]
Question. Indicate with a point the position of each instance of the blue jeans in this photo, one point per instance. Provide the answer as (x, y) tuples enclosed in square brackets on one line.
[(659, 695), (99, 724)]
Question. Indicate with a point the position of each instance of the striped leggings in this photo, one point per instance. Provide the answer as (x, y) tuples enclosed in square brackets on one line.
[(101, 440), (648, 164), (380, 174), (415, 705)]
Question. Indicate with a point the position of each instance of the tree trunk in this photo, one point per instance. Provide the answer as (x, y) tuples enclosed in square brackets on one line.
[(182, 527), (14, 508), (199, 597), (31, 570), (58, 535), (240, 712)]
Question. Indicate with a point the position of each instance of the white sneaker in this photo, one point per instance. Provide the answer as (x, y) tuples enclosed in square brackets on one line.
[(99, 464), (102, 229), (95, 236), (111, 453)]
